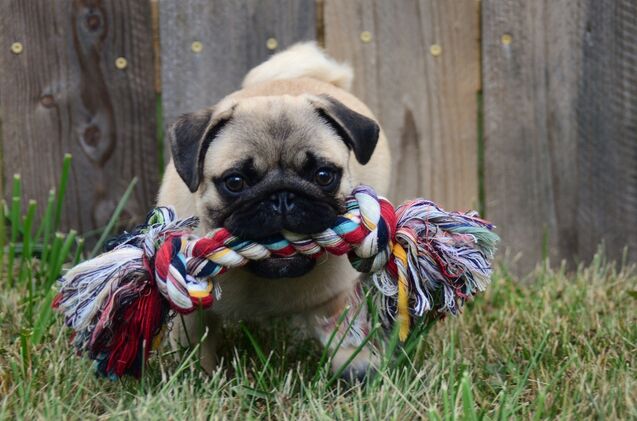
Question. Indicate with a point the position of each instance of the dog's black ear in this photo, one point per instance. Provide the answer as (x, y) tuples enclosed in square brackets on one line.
[(189, 139), (359, 133)]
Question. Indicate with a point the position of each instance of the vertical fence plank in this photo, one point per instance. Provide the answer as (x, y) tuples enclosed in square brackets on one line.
[(417, 67), (232, 37), (560, 119), (530, 71), (607, 130), (64, 93)]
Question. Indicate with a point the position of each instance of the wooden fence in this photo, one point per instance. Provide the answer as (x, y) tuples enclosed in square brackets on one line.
[(527, 109)]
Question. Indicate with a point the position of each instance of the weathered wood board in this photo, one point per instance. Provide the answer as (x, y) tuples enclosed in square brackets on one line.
[(64, 93), (560, 120), (529, 86), (606, 117), (417, 65), (230, 38)]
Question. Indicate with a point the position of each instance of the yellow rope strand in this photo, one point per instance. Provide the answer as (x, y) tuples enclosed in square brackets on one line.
[(403, 293)]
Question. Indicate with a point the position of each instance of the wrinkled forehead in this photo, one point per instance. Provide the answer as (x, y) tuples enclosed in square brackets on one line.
[(274, 132)]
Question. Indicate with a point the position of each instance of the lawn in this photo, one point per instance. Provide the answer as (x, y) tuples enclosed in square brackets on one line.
[(561, 345)]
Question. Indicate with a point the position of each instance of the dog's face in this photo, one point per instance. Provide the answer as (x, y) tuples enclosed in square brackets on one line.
[(267, 164)]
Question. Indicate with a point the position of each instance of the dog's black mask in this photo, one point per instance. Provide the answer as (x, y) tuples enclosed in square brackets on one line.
[(278, 209), (282, 200)]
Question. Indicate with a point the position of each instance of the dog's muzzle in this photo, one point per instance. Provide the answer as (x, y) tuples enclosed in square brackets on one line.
[(282, 209)]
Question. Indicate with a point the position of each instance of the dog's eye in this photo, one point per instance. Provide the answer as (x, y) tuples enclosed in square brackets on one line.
[(324, 177), (234, 183)]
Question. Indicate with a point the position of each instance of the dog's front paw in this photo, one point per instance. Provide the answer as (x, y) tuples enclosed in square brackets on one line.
[(359, 370)]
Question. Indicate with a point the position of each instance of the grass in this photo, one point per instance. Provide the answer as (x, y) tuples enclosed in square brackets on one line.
[(564, 346)]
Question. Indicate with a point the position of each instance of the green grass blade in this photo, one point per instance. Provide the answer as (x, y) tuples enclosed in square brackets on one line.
[(16, 201), (532, 364), (25, 256), (539, 405), (61, 257), (25, 350), (325, 354), (503, 412), (45, 230), (468, 404), (184, 363), (255, 345), (3, 232), (434, 415), (447, 404), (56, 247), (357, 351), (415, 338), (78, 251), (45, 317), (61, 191), (111, 223), (336, 347)]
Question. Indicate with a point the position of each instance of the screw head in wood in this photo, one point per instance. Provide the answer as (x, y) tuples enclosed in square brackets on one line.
[(121, 63), (366, 36), (435, 50), (196, 46), (17, 48), (271, 44), (506, 39)]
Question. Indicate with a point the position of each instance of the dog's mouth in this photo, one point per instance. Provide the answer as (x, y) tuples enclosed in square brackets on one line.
[(282, 267)]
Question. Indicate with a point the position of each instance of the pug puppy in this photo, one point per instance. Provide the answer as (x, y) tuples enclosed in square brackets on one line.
[(282, 153)]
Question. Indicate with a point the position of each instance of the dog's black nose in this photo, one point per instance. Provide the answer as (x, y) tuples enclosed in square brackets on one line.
[(283, 201)]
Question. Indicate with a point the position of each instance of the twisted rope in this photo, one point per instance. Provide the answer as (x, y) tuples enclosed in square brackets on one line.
[(421, 259)]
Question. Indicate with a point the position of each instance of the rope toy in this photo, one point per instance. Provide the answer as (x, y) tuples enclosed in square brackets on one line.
[(423, 260)]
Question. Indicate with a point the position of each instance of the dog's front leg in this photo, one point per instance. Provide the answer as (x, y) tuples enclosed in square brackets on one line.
[(342, 325), (188, 332)]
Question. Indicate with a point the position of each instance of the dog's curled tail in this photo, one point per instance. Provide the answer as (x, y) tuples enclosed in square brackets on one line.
[(301, 60)]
